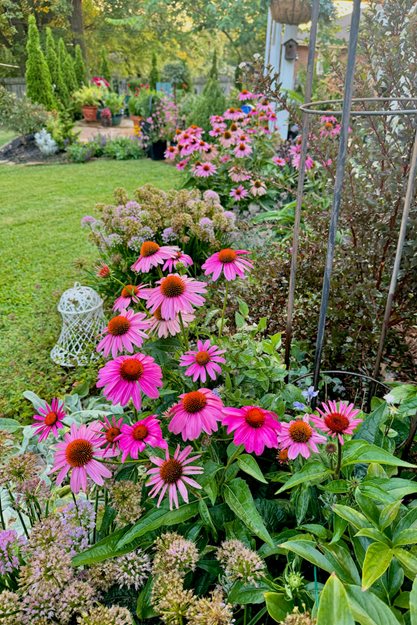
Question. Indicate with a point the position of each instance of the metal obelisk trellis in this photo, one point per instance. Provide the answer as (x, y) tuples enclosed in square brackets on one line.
[(346, 112)]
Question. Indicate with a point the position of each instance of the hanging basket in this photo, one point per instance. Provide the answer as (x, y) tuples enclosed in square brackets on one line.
[(291, 11), (81, 309)]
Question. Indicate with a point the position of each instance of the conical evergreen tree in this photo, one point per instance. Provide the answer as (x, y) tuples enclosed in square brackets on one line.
[(79, 66), (104, 66), (154, 75), (214, 73), (38, 78), (69, 74), (63, 91), (51, 56)]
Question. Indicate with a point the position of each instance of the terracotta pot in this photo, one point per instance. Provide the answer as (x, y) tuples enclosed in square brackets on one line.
[(291, 11), (136, 119), (90, 113)]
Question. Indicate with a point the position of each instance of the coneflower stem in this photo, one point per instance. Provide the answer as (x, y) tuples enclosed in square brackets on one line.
[(339, 459), (224, 309), (184, 333)]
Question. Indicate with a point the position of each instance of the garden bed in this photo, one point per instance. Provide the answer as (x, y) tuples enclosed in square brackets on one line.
[(23, 150)]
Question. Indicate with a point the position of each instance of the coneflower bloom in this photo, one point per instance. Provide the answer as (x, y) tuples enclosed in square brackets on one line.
[(49, 419), (123, 332), (126, 377), (253, 427), (172, 474), (204, 170), (109, 431), (337, 419), (203, 361), (217, 130), (238, 175), (171, 152), (78, 454), (182, 164), (175, 294), (238, 193), (299, 438), (258, 188), (233, 114), (196, 412), (152, 254), (179, 259), (279, 161), (246, 95), (242, 150), (134, 438), (229, 262), (130, 294), (168, 327), (226, 139)]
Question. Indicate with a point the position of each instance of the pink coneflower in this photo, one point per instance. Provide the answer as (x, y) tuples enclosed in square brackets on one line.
[(205, 360), (49, 419), (130, 294), (233, 114), (182, 164), (337, 419), (279, 161), (171, 152), (204, 170), (226, 139), (238, 193), (258, 188), (253, 427), (152, 254), (123, 332), (179, 259), (168, 327), (242, 150), (197, 412), (217, 130), (173, 475), (245, 95), (125, 377), (134, 438), (210, 154), (216, 119), (229, 262), (263, 104), (238, 175), (175, 294), (77, 453), (109, 431), (295, 161), (299, 438)]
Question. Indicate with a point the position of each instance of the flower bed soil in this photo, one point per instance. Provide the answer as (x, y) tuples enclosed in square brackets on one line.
[(23, 149)]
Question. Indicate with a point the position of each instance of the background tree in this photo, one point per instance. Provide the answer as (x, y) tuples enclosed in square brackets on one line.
[(69, 73), (51, 56), (212, 101), (104, 66), (79, 67), (38, 78), (154, 74)]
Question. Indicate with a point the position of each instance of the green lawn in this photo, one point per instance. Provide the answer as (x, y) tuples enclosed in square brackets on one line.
[(43, 250), (6, 136)]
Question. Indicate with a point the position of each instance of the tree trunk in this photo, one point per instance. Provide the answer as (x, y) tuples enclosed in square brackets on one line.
[(77, 24)]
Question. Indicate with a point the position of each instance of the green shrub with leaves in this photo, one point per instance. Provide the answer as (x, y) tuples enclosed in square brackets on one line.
[(79, 67), (38, 79)]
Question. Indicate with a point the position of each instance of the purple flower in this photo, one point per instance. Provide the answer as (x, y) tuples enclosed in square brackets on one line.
[(10, 543), (299, 406), (309, 393)]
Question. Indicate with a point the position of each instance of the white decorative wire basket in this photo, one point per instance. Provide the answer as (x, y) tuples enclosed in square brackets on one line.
[(82, 314)]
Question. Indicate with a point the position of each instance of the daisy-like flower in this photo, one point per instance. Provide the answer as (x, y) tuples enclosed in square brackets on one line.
[(203, 361), (204, 170), (337, 419), (299, 438), (279, 161), (171, 152), (130, 294), (123, 332), (110, 430), (103, 271), (239, 175), (245, 95), (258, 188), (78, 454), (173, 475), (152, 254), (233, 114), (197, 412), (238, 193), (179, 259), (182, 164), (126, 377), (49, 419), (242, 150), (226, 139), (175, 294), (253, 427), (134, 438), (229, 262), (168, 327)]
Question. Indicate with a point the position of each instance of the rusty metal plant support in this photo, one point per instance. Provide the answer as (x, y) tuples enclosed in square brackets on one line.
[(351, 107)]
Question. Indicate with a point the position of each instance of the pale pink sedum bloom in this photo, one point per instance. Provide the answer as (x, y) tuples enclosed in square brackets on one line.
[(130, 294), (175, 294), (337, 419), (203, 361), (123, 333), (196, 412), (152, 254), (172, 475), (78, 454), (126, 377), (179, 259), (49, 419), (134, 438), (253, 427), (168, 327), (299, 438), (228, 261)]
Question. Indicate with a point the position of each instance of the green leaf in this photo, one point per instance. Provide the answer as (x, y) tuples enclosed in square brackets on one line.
[(36, 401), (374, 534), (336, 486), (249, 465), (144, 608), (243, 308), (278, 605), (317, 530), (307, 549), (239, 499), (408, 560), (406, 537), (10, 425), (334, 605), (355, 452), (343, 564), (312, 471), (367, 609), (388, 514), (377, 559), (355, 518), (206, 517), (102, 550), (413, 604), (247, 594)]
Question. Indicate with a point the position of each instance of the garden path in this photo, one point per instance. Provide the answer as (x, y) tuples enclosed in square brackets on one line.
[(89, 130)]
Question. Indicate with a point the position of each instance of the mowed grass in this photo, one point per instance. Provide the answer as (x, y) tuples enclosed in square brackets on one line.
[(43, 251), (6, 136)]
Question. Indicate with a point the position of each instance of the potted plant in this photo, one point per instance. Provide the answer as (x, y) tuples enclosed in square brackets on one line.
[(115, 103), (291, 11), (136, 109), (88, 98), (106, 117)]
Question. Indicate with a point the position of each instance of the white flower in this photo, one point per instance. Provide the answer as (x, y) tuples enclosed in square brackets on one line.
[(390, 399)]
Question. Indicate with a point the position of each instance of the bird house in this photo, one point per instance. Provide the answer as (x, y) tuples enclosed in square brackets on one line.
[(290, 48)]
